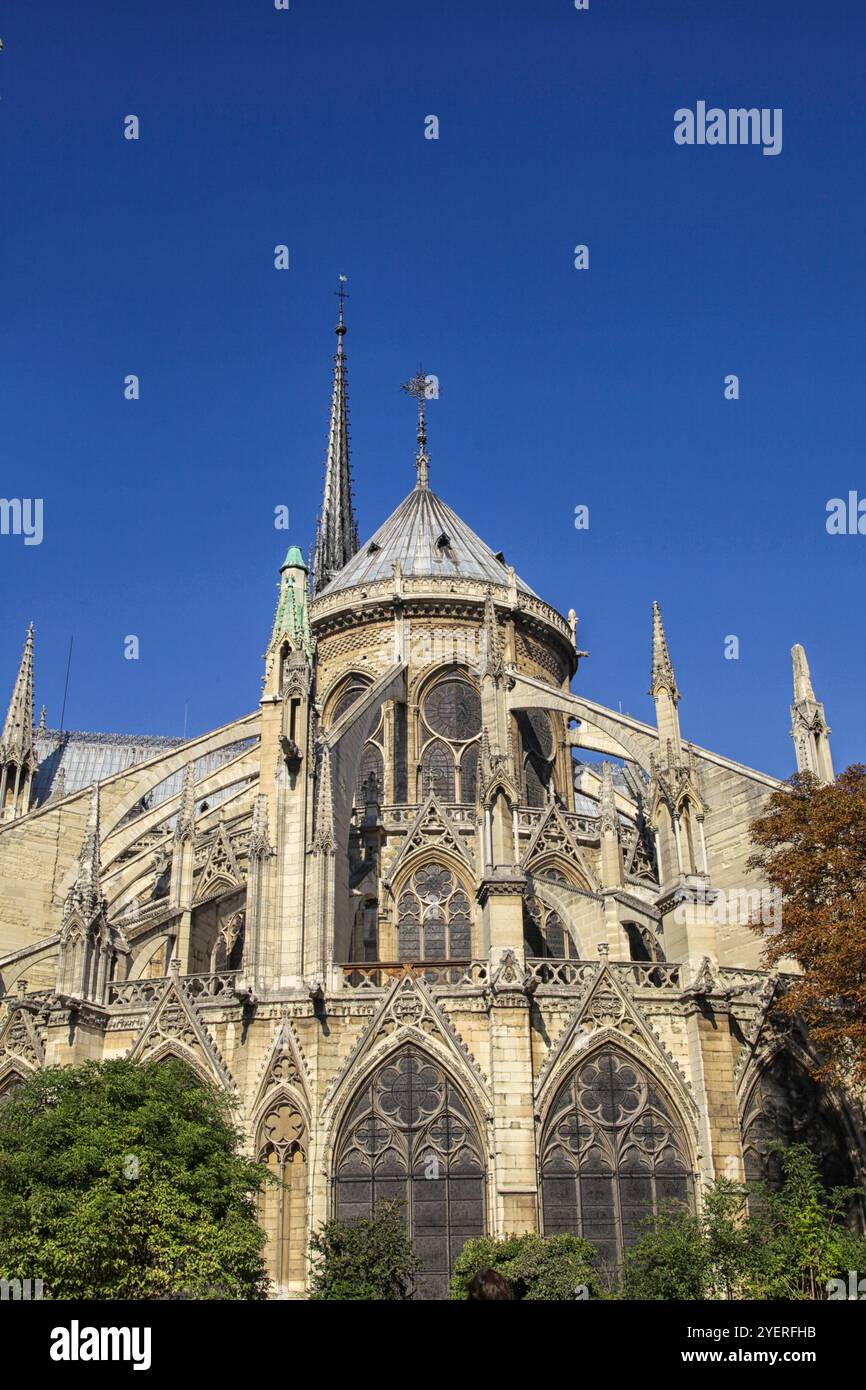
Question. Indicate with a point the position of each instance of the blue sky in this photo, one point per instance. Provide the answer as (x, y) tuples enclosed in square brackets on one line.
[(559, 387)]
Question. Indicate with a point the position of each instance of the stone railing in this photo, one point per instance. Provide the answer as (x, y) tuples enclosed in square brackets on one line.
[(638, 974), (443, 972), (529, 819), (646, 974), (393, 817), (561, 972), (136, 994)]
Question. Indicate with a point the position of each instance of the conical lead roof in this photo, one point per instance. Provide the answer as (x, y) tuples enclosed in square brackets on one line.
[(428, 541)]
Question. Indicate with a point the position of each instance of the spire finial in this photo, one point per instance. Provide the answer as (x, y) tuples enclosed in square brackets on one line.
[(86, 895), (16, 739), (662, 667), (336, 529), (417, 387), (802, 676)]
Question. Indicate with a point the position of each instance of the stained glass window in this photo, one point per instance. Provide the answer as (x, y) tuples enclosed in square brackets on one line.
[(544, 931), (613, 1153), (787, 1106), (469, 773), (434, 921), (453, 709), (347, 698), (437, 771), (373, 763), (409, 1137), (538, 750)]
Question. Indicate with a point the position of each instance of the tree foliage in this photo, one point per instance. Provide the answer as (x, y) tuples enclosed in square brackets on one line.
[(752, 1242), (370, 1258), (536, 1267), (812, 848), (126, 1180)]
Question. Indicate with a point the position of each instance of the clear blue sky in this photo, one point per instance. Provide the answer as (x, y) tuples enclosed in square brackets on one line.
[(560, 387)]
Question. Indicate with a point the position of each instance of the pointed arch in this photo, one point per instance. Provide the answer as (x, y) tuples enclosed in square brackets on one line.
[(409, 1134), (782, 1103), (12, 1075), (434, 913), (344, 692), (281, 1134), (613, 1150)]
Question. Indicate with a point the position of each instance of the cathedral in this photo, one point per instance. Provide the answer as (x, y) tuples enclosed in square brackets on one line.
[(443, 929)]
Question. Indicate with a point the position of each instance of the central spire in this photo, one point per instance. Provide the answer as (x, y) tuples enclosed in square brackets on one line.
[(336, 530), (417, 387)]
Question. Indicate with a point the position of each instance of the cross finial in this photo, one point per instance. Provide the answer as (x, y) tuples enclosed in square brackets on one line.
[(342, 296), (417, 387)]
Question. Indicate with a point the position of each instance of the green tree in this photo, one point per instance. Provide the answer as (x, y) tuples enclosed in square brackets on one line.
[(536, 1267), (749, 1242), (369, 1258), (126, 1180), (798, 1234)]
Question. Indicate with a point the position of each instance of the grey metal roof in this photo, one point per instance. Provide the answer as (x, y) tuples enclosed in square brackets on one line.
[(86, 758), (428, 540)]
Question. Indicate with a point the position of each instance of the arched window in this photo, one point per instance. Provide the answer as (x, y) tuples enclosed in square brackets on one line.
[(544, 932), (641, 945), (10, 1084), (469, 774), (282, 1204), (437, 770), (613, 1153), (433, 917), (372, 763), (348, 695), (450, 731), (536, 741), (228, 952), (365, 933), (409, 1136), (787, 1106)]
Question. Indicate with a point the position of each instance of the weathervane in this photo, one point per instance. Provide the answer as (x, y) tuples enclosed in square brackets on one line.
[(417, 387)]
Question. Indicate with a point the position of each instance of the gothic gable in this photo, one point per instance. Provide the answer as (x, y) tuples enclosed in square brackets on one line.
[(553, 841), (408, 1013), (176, 1030), (431, 830), (607, 1012), (20, 1043), (221, 870)]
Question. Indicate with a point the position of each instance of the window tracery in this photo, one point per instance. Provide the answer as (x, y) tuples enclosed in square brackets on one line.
[(787, 1106), (613, 1154), (282, 1146), (434, 921), (537, 744), (544, 932), (409, 1136), (450, 729)]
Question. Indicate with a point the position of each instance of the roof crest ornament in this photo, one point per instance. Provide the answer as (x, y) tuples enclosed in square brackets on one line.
[(417, 387)]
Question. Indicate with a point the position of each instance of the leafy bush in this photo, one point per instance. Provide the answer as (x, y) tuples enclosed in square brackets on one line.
[(369, 1258), (536, 1267)]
